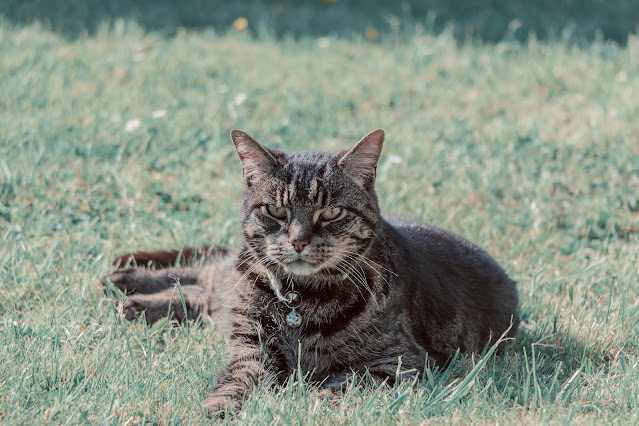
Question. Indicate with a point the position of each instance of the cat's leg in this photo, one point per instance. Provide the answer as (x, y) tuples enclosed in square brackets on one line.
[(169, 303), (236, 381), (168, 258), (249, 366), (147, 281)]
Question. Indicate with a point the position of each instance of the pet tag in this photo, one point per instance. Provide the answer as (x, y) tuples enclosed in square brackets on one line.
[(293, 300), (293, 319)]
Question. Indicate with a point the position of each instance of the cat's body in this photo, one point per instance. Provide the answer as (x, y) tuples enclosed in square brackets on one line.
[(364, 290)]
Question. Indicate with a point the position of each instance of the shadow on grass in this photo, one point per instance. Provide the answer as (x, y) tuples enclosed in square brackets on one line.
[(486, 20), (541, 368)]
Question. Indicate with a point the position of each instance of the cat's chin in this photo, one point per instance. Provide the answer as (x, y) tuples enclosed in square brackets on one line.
[(299, 267)]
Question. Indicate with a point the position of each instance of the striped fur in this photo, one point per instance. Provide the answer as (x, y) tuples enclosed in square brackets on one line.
[(373, 289)]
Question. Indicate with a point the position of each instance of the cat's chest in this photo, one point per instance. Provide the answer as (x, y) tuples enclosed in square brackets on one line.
[(295, 338), (322, 330), (308, 351)]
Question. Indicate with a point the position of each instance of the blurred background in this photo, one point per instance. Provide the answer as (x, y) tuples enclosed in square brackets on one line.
[(512, 123), (485, 20)]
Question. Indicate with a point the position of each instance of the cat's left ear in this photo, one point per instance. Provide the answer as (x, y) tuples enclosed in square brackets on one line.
[(360, 163), (255, 158)]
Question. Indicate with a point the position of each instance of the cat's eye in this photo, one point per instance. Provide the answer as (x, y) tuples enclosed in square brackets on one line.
[(276, 212), (331, 214)]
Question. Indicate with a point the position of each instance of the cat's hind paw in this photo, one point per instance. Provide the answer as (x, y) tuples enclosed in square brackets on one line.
[(141, 306), (122, 279), (131, 309)]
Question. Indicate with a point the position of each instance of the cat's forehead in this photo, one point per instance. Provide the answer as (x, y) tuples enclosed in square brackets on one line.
[(305, 178), (310, 159), (307, 166), (309, 177)]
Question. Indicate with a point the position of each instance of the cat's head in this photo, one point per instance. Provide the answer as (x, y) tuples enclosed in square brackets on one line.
[(309, 213)]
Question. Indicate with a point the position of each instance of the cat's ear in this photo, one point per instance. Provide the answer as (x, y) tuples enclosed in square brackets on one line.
[(360, 163), (255, 158)]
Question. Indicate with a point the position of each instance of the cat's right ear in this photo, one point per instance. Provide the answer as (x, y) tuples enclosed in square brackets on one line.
[(360, 163), (256, 159)]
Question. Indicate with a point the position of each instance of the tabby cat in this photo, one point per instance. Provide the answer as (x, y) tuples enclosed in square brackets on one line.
[(324, 280)]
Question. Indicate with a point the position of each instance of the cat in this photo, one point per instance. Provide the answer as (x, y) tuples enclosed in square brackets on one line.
[(324, 280)]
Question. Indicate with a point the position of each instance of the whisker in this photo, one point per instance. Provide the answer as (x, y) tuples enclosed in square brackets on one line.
[(359, 273), (368, 262), (348, 277), (351, 271), (368, 259), (263, 261)]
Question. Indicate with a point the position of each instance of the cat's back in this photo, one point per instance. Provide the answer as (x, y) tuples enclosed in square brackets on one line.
[(448, 277), (437, 247)]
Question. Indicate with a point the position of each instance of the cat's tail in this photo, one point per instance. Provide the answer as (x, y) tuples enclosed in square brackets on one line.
[(188, 256)]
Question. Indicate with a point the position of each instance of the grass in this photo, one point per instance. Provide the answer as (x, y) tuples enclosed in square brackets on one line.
[(114, 137)]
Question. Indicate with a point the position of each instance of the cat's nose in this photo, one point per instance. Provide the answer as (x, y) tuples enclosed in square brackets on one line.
[(299, 245)]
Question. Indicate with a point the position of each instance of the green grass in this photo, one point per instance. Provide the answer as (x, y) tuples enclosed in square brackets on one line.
[(528, 148)]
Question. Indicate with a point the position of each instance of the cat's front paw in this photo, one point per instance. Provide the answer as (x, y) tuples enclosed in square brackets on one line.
[(220, 406)]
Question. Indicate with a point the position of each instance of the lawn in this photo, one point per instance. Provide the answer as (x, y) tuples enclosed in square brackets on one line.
[(514, 126)]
